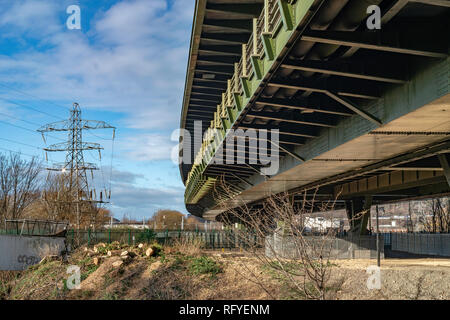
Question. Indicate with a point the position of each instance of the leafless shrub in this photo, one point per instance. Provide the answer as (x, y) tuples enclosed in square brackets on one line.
[(436, 216), (58, 204), (274, 232), (187, 246)]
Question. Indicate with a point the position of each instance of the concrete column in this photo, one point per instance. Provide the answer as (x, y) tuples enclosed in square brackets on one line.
[(358, 223)]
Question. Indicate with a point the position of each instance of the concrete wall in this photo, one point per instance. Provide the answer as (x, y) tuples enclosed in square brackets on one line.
[(19, 252), (421, 243), (363, 247)]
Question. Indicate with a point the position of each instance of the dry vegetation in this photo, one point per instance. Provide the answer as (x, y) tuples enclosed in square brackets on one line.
[(181, 271), (185, 271)]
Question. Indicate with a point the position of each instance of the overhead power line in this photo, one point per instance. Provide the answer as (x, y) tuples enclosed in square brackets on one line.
[(32, 96), (27, 129), (30, 108), (24, 144)]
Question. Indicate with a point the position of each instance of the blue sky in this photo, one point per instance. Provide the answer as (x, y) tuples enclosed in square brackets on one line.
[(125, 66)]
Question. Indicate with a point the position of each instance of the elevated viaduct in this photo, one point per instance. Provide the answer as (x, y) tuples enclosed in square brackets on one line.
[(363, 115)]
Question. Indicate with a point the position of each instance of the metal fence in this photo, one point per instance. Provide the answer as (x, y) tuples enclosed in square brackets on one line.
[(209, 239), (29, 227), (422, 243), (361, 247)]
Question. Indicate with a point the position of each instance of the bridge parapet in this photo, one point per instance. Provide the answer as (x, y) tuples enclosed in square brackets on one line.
[(271, 31)]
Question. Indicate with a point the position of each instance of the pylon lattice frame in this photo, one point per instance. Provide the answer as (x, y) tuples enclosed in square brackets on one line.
[(74, 147)]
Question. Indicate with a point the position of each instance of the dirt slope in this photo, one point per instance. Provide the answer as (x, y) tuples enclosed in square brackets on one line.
[(211, 275)]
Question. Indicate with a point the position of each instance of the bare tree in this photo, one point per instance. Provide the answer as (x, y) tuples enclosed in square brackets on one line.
[(56, 197), (435, 217), (19, 185), (274, 231), (58, 202)]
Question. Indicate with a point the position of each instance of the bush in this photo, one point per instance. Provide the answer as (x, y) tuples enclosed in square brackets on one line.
[(204, 265)]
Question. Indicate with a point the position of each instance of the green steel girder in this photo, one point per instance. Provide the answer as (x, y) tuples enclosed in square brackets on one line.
[(268, 45), (287, 14), (257, 66), (290, 13)]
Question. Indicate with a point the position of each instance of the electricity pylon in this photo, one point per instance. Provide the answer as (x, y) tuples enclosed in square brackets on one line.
[(74, 165)]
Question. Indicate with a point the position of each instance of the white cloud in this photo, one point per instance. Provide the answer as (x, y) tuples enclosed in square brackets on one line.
[(136, 63), (148, 200), (132, 60), (147, 147), (32, 18)]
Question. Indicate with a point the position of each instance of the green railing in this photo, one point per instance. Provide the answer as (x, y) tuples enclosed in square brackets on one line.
[(271, 32)]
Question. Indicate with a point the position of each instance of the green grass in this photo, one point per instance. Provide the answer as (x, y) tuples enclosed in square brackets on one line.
[(89, 269), (204, 265)]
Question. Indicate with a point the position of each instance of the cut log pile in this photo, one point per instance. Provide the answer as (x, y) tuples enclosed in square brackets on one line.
[(100, 252)]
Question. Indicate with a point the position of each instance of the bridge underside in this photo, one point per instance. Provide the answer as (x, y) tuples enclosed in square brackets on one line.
[(363, 116)]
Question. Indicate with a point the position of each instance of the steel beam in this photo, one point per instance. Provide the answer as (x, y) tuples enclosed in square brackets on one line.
[(283, 140), (201, 97), (421, 153), (216, 69), (440, 3), (302, 104), (218, 59), (283, 131), (370, 41), (233, 50), (209, 85), (338, 69), (243, 26), (322, 87), (206, 91), (250, 10), (278, 116), (352, 106), (225, 37)]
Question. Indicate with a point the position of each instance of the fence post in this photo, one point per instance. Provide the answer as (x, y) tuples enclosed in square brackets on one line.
[(109, 236), (129, 236), (89, 237)]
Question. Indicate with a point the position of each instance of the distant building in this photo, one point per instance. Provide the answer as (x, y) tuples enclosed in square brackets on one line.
[(116, 224)]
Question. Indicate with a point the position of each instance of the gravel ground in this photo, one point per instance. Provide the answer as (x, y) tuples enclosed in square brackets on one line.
[(409, 279)]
